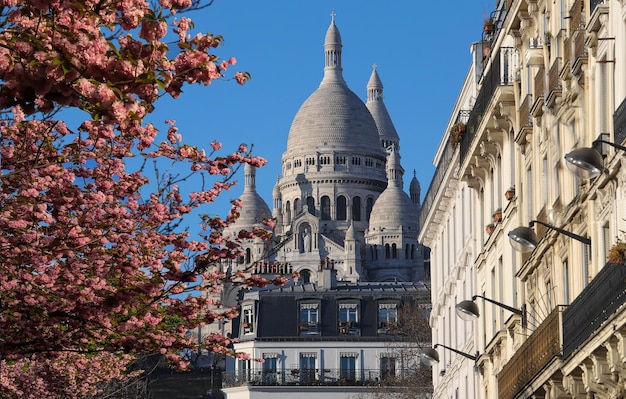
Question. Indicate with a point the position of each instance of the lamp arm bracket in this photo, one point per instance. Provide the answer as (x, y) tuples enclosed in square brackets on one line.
[(619, 147), (467, 355), (584, 240), (507, 307)]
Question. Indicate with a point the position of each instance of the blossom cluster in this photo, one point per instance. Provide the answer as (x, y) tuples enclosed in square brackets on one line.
[(90, 260)]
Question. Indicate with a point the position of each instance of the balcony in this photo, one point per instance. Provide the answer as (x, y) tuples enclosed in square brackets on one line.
[(327, 377), (440, 172), (554, 82), (534, 354), (496, 86), (594, 306), (576, 15), (525, 119), (539, 87), (578, 51)]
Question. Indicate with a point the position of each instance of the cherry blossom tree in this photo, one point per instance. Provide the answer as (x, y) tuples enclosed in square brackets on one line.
[(94, 270)]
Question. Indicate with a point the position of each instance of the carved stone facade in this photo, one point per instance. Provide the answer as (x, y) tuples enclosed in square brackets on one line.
[(553, 80)]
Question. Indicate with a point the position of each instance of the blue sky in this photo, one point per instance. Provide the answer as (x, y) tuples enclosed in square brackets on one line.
[(421, 49)]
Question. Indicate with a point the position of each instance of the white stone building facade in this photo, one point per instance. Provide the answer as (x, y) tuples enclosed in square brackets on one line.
[(546, 78)]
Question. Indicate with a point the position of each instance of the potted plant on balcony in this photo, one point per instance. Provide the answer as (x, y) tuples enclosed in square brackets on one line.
[(497, 215), (490, 228), (617, 253), (456, 133), (489, 26), (509, 194), (304, 327)]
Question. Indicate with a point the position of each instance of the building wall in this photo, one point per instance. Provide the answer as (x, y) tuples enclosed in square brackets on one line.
[(553, 80)]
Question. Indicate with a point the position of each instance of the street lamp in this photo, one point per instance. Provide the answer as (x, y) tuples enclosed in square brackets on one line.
[(431, 356), (524, 239), (587, 162), (468, 310)]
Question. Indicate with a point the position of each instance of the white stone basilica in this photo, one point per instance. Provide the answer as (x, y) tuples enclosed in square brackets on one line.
[(339, 201)]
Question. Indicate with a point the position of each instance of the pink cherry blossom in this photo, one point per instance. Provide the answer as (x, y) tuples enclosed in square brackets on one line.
[(90, 262)]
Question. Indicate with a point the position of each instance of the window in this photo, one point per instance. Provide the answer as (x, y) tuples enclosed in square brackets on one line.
[(394, 251), (243, 370), (307, 367), (341, 208), (348, 318), (288, 211), (356, 209), (269, 368), (368, 208), (347, 366), (247, 321), (296, 206), (387, 318), (340, 160), (387, 366), (325, 208), (309, 318), (310, 203), (387, 253)]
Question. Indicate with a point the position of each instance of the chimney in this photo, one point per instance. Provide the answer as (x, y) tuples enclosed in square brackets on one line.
[(327, 275)]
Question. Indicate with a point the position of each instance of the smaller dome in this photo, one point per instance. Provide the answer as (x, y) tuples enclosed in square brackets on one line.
[(333, 37), (394, 209), (253, 209)]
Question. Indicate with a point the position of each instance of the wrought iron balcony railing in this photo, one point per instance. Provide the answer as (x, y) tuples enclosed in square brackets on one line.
[(327, 377), (595, 304), (501, 72), (619, 123), (542, 346)]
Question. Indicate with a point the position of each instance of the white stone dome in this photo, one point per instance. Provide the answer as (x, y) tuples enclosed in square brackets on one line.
[(254, 209), (334, 117), (394, 208)]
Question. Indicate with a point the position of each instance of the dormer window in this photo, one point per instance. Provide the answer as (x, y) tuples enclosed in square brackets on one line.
[(387, 318), (309, 318), (349, 319), (247, 319)]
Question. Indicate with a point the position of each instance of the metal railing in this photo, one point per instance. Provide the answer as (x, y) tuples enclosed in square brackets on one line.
[(500, 73), (595, 304), (532, 356), (325, 377), (619, 123), (440, 171), (442, 166)]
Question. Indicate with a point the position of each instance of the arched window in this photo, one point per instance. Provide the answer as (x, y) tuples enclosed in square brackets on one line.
[(394, 252), (386, 251), (412, 250), (296, 207), (368, 208), (288, 212), (325, 208), (406, 251), (375, 252), (310, 203), (341, 208), (248, 255), (356, 209), (305, 275)]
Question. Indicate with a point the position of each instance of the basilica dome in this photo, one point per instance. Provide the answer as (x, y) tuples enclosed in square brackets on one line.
[(334, 117)]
